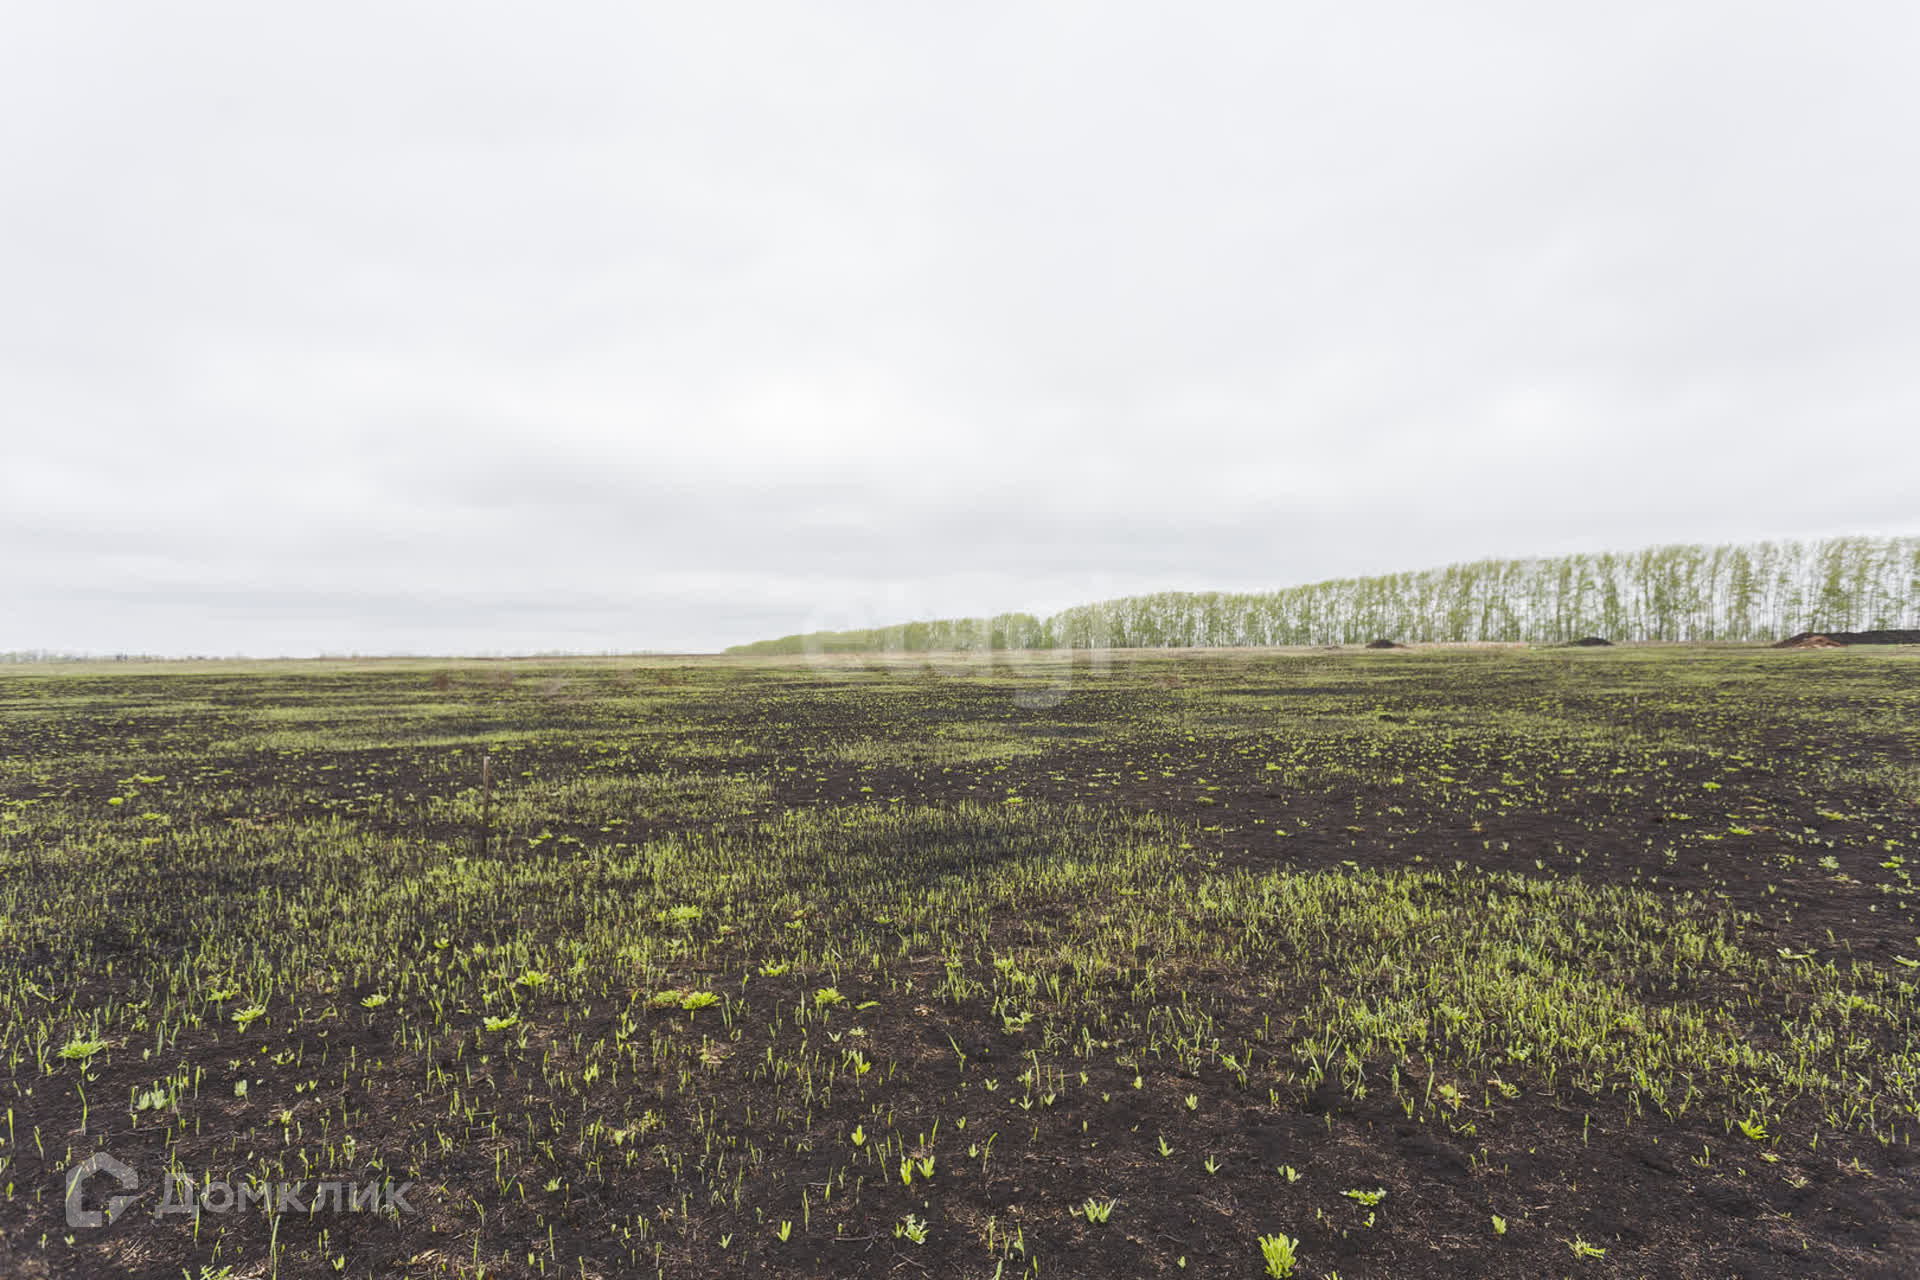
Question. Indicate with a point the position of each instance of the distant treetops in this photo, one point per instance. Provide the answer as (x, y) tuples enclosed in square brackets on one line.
[(1755, 592)]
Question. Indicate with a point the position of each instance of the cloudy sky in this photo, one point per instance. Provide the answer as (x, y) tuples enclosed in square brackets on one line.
[(486, 328)]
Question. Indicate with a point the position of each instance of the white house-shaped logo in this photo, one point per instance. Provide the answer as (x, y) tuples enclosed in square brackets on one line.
[(98, 1162)]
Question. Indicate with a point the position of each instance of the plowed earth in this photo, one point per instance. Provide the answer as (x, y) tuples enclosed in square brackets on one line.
[(966, 830)]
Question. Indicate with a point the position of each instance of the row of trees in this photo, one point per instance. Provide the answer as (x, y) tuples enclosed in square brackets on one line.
[(1753, 592)]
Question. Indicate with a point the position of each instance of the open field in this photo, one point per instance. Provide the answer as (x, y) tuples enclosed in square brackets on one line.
[(1482, 963)]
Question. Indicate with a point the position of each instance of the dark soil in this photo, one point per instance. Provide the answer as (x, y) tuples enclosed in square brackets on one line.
[(1836, 639), (1875, 637), (1616, 768)]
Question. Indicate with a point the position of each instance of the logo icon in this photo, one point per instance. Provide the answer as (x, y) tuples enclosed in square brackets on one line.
[(98, 1162)]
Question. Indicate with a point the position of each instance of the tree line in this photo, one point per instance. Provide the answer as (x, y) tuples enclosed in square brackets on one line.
[(1751, 592)]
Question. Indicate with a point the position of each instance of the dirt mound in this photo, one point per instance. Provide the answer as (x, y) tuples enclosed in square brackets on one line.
[(1875, 637), (1384, 643), (1592, 642), (1809, 640), (1840, 639)]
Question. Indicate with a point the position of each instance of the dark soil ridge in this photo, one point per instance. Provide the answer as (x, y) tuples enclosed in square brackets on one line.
[(1811, 639)]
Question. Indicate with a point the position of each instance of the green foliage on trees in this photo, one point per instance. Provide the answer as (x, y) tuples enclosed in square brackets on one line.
[(1746, 593)]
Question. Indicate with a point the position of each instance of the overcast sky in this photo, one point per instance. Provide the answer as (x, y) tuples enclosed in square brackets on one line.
[(481, 328)]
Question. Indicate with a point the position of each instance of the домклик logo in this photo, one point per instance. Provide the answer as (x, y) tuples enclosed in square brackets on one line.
[(98, 1162)]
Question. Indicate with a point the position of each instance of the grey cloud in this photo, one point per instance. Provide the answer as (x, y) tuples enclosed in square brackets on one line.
[(472, 328)]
